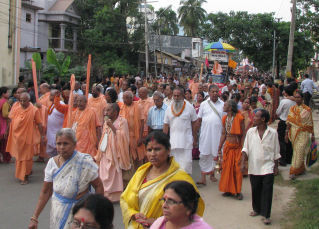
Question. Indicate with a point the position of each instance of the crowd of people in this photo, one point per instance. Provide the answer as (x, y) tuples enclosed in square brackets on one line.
[(133, 141)]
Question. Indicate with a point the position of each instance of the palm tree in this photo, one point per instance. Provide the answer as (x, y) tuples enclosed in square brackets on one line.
[(166, 21), (191, 16)]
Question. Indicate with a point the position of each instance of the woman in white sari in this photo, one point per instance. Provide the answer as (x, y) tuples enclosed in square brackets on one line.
[(68, 177)]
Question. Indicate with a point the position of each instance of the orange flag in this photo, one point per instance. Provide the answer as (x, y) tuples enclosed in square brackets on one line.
[(88, 75), (35, 80), (232, 64), (72, 83)]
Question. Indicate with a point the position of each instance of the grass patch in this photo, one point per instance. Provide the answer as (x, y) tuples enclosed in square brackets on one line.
[(303, 212), (315, 168)]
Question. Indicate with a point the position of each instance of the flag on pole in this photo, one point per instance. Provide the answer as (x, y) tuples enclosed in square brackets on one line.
[(35, 80), (70, 103), (88, 75), (206, 62)]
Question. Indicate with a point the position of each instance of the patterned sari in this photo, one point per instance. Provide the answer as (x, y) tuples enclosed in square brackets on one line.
[(143, 197), (300, 119), (71, 179)]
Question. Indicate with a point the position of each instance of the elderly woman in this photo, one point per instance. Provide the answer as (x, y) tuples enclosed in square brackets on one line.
[(299, 129), (139, 202), (233, 137), (179, 205), (68, 177)]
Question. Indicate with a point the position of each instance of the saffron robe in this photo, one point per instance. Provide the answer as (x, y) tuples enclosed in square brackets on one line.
[(115, 158), (99, 104), (231, 177), (86, 122), (134, 116), (23, 136), (145, 105)]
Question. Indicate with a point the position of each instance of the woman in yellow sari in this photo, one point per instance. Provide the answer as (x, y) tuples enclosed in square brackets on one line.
[(140, 201), (299, 128)]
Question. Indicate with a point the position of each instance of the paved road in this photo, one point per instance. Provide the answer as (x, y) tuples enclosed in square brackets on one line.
[(17, 202)]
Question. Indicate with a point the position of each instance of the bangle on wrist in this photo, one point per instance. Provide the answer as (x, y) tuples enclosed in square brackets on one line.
[(34, 219)]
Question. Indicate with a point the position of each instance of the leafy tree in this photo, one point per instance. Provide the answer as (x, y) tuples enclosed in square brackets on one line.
[(103, 33), (191, 16), (308, 19), (253, 35), (166, 21)]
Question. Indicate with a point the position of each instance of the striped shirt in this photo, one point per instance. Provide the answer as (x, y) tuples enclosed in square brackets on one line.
[(155, 118)]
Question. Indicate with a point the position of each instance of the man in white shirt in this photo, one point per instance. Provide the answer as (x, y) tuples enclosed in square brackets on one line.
[(168, 92), (125, 86), (210, 120), (180, 118), (282, 113), (261, 146), (307, 88)]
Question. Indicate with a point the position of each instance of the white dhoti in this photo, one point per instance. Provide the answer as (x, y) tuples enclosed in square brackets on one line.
[(184, 158), (206, 163)]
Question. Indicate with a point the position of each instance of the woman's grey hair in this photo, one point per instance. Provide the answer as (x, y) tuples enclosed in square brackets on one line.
[(67, 132), (233, 106)]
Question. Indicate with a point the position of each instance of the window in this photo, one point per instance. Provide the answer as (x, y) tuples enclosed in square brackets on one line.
[(28, 17)]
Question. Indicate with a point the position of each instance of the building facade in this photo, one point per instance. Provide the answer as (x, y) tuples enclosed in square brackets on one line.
[(8, 41)]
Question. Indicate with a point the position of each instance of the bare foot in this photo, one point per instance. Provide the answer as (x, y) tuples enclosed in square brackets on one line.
[(213, 179)]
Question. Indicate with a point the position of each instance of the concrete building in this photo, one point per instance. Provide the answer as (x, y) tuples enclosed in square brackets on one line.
[(8, 51), (48, 24)]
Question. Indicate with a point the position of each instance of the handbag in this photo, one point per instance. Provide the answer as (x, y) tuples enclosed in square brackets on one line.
[(312, 155)]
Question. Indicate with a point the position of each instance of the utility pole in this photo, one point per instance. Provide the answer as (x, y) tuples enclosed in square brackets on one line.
[(291, 39), (146, 42), (274, 56)]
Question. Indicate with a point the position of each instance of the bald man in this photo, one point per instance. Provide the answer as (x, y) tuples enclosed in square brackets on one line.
[(25, 132), (86, 125), (98, 102), (45, 95), (131, 111), (19, 91)]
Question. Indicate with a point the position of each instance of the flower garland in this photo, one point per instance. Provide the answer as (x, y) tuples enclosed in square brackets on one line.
[(179, 113)]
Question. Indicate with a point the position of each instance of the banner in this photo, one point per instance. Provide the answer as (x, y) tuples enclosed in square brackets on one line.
[(35, 80)]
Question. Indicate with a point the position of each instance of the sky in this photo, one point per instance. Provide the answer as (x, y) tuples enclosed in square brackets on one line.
[(280, 7)]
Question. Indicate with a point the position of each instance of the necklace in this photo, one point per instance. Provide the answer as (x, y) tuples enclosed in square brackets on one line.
[(179, 113), (229, 124), (51, 108)]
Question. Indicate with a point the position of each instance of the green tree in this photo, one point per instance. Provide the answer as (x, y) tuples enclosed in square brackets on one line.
[(166, 21), (308, 19), (253, 35), (104, 34), (191, 16)]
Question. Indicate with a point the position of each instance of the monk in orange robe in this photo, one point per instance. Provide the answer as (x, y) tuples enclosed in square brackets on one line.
[(45, 92), (114, 156), (145, 103), (131, 111), (86, 126), (233, 136), (98, 102), (24, 134), (16, 105), (44, 105), (63, 108), (194, 87)]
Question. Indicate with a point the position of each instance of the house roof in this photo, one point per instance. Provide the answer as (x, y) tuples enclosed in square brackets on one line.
[(61, 5), (175, 57)]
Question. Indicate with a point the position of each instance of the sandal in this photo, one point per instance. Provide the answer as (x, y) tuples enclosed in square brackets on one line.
[(253, 213), (24, 182), (267, 221), (226, 194), (213, 179), (239, 196), (199, 183)]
